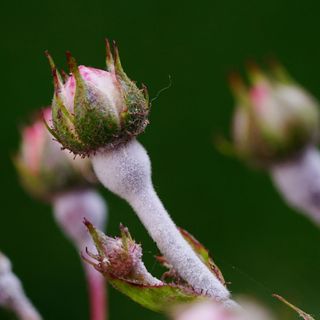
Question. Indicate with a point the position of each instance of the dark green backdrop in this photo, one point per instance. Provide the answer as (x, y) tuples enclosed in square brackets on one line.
[(261, 245)]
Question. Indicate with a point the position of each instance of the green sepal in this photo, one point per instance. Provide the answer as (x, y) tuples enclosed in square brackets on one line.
[(96, 237), (63, 120), (160, 298), (63, 127), (134, 118), (96, 122)]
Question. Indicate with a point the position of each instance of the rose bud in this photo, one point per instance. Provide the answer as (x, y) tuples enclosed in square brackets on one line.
[(274, 118), (45, 169), (94, 108), (276, 126)]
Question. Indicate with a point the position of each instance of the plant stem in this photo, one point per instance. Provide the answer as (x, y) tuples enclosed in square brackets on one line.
[(25, 310), (126, 171), (97, 294), (298, 180), (69, 210)]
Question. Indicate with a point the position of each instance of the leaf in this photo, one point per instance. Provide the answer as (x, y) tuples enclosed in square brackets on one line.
[(301, 313), (119, 261), (203, 254), (160, 298)]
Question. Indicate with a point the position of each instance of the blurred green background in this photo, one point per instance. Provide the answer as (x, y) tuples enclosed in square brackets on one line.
[(261, 245)]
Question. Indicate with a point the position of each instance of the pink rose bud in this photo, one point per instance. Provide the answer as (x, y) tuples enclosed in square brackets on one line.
[(274, 118), (44, 169), (95, 108)]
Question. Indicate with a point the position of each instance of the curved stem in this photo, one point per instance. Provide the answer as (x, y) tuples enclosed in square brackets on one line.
[(298, 180), (126, 171), (69, 210)]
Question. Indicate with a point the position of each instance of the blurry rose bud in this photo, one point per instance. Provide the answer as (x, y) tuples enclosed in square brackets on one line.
[(274, 118), (206, 310), (210, 310), (12, 296), (45, 169), (254, 309), (55, 175), (94, 108)]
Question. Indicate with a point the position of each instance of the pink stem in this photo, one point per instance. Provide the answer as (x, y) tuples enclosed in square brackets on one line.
[(97, 291)]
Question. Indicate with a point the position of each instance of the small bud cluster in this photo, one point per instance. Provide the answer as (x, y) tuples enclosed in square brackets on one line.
[(95, 109), (43, 168), (274, 118)]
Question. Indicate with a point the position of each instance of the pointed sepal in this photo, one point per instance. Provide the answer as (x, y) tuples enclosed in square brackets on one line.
[(119, 260), (94, 109)]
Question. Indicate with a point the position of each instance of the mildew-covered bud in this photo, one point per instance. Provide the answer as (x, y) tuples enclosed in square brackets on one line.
[(274, 118), (94, 108), (119, 257), (44, 169)]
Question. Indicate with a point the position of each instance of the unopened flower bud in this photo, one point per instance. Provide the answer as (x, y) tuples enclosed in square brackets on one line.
[(274, 118), (206, 310), (119, 257), (94, 108), (44, 169)]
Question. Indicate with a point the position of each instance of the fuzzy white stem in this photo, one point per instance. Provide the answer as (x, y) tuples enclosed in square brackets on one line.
[(140, 271), (298, 180), (126, 171), (69, 211)]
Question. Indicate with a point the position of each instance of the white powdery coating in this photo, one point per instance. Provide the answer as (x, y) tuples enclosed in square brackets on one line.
[(298, 179), (72, 207), (12, 296), (140, 270), (126, 171)]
